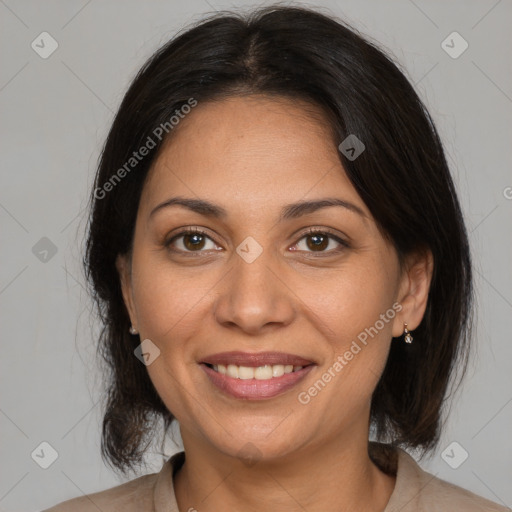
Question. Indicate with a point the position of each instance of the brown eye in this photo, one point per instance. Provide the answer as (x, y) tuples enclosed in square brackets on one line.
[(319, 241), (192, 240)]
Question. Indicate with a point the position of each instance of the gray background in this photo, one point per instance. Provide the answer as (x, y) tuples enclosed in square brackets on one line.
[(55, 114)]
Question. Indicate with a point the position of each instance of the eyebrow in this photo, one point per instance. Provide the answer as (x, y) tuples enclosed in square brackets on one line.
[(290, 211)]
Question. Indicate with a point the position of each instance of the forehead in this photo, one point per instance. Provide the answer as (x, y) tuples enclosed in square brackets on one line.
[(250, 151)]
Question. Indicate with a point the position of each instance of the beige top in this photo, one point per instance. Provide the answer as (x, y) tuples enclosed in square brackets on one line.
[(415, 490)]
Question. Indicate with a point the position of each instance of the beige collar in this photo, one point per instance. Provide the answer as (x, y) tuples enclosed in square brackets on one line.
[(415, 489)]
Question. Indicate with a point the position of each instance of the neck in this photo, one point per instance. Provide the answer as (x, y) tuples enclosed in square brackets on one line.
[(337, 476)]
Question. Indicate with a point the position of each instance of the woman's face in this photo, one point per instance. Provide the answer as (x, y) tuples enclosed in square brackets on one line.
[(256, 282)]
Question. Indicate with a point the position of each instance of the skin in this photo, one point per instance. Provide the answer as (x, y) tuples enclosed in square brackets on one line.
[(253, 155)]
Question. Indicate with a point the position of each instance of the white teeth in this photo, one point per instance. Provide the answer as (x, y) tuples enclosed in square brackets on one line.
[(277, 370), (245, 372), (232, 371), (260, 373), (263, 372)]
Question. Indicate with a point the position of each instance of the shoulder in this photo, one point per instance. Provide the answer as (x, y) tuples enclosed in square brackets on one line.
[(143, 494), (419, 490), (442, 495), (135, 495)]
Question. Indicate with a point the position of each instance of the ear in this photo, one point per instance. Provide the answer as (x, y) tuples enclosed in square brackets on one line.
[(413, 291), (123, 265)]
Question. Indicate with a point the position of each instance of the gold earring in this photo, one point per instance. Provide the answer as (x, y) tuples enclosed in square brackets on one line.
[(133, 330), (407, 335)]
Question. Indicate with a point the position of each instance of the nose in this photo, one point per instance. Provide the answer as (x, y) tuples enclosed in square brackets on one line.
[(254, 297)]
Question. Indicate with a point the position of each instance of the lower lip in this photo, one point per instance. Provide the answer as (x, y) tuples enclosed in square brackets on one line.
[(255, 389)]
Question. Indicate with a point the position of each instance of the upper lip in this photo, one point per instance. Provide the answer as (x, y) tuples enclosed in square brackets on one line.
[(255, 359)]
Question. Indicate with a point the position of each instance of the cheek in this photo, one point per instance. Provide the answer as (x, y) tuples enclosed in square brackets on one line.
[(354, 309), (170, 304), (168, 300), (351, 301)]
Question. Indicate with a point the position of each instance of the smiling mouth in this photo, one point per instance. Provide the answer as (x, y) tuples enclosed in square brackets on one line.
[(255, 382), (264, 372), (255, 375)]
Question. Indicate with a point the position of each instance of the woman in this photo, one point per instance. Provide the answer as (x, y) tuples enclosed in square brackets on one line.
[(281, 264)]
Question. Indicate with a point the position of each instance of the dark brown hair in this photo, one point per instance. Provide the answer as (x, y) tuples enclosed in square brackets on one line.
[(402, 176)]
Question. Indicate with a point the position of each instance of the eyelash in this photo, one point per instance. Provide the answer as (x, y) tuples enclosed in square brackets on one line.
[(309, 232)]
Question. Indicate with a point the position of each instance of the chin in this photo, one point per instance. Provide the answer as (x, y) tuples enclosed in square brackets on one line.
[(251, 444)]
